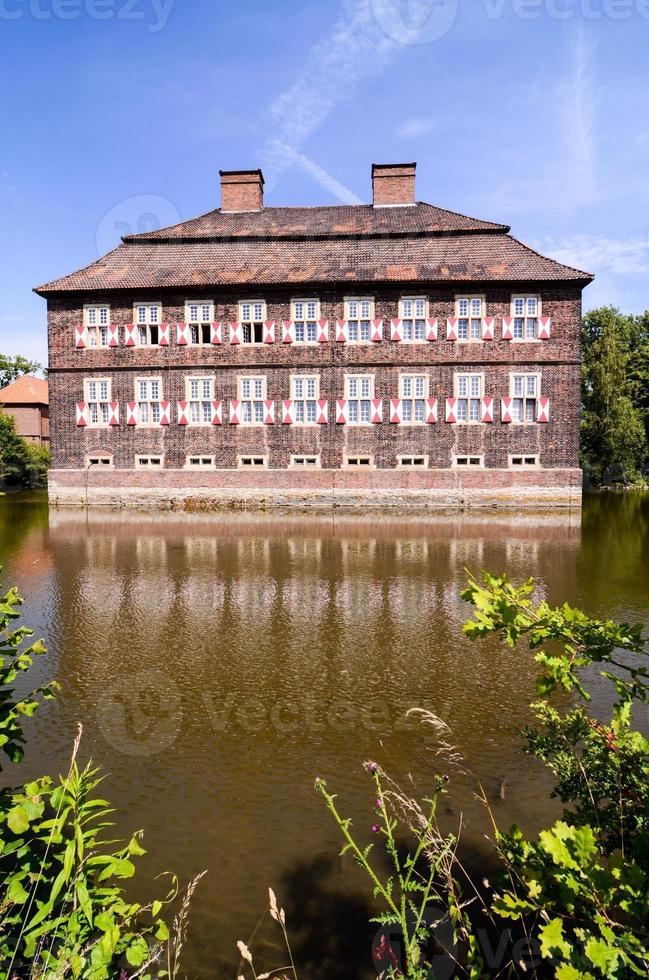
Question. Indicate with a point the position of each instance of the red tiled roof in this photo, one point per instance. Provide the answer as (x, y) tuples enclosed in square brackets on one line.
[(317, 245), (322, 222), (26, 390)]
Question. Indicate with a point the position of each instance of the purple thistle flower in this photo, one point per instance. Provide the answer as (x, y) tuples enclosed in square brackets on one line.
[(371, 767), (375, 828), (378, 803)]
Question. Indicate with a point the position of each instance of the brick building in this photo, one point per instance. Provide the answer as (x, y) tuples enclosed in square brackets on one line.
[(27, 400), (392, 353)]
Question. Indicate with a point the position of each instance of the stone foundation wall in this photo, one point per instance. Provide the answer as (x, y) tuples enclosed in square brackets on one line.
[(179, 490)]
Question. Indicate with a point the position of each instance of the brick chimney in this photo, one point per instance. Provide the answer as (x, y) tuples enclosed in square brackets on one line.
[(242, 190), (393, 184)]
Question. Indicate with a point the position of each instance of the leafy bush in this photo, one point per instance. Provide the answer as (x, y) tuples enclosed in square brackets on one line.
[(21, 462)]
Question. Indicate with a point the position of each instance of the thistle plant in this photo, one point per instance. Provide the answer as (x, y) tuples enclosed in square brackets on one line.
[(422, 881)]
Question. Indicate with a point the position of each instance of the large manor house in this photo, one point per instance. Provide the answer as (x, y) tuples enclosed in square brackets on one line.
[(394, 353)]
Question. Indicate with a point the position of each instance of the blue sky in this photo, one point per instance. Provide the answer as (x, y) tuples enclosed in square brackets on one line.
[(118, 115)]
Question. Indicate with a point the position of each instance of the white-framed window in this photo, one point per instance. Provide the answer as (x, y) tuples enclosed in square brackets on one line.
[(252, 395), (99, 461), (149, 462), (469, 390), (306, 461), (252, 316), (148, 396), (363, 461), (97, 395), (413, 392), (524, 390), (96, 321), (359, 392), (412, 462), (305, 392), (199, 318), (359, 312), (526, 311), (305, 314), (199, 393), (252, 462), (413, 311), (469, 311), (467, 461), (524, 461), (147, 318), (199, 462)]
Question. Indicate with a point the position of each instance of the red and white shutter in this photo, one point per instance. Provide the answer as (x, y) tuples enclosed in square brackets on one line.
[(131, 413), (377, 410), (165, 413), (288, 332), (451, 409), (113, 418), (80, 336), (545, 327), (486, 410), (163, 339), (377, 331), (288, 414), (396, 332), (269, 332), (236, 333), (508, 328), (543, 410), (431, 411), (323, 412), (323, 331), (432, 328), (488, 328), (113, 335), (217, 413), (269, 412), (182, 413), (82, 414), (129, 334), (395, 411), (451, 328), (506, 410), (182, 334), (234, 412), (216, 336), (341, 411), (342, 332)]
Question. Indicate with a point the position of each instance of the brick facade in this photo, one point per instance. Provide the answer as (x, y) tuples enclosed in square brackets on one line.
[(556, 360)]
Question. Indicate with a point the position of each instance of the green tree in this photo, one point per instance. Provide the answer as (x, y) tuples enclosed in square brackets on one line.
[(20, 462), (12, 368), (613, 432)]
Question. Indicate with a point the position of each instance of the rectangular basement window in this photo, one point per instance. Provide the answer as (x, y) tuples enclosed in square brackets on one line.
[(469, 461), (200, 462), (248, 462), (148, 462), (523, 461), (99, 462), (306, 462), (412, 461), (362, 461)]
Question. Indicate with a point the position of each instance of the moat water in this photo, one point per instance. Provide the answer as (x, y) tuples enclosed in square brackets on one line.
[(219, 666)]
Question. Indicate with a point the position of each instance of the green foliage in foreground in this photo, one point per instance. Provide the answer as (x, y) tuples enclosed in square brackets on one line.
[(615, 396), (63, 911), (21, 463), (583, 886)]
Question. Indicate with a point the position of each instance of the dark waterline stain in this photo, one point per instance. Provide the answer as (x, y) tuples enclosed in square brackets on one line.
[(219, 666)]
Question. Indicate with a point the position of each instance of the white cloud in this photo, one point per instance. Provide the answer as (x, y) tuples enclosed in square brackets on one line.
[(415, 127), (599, 253)]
